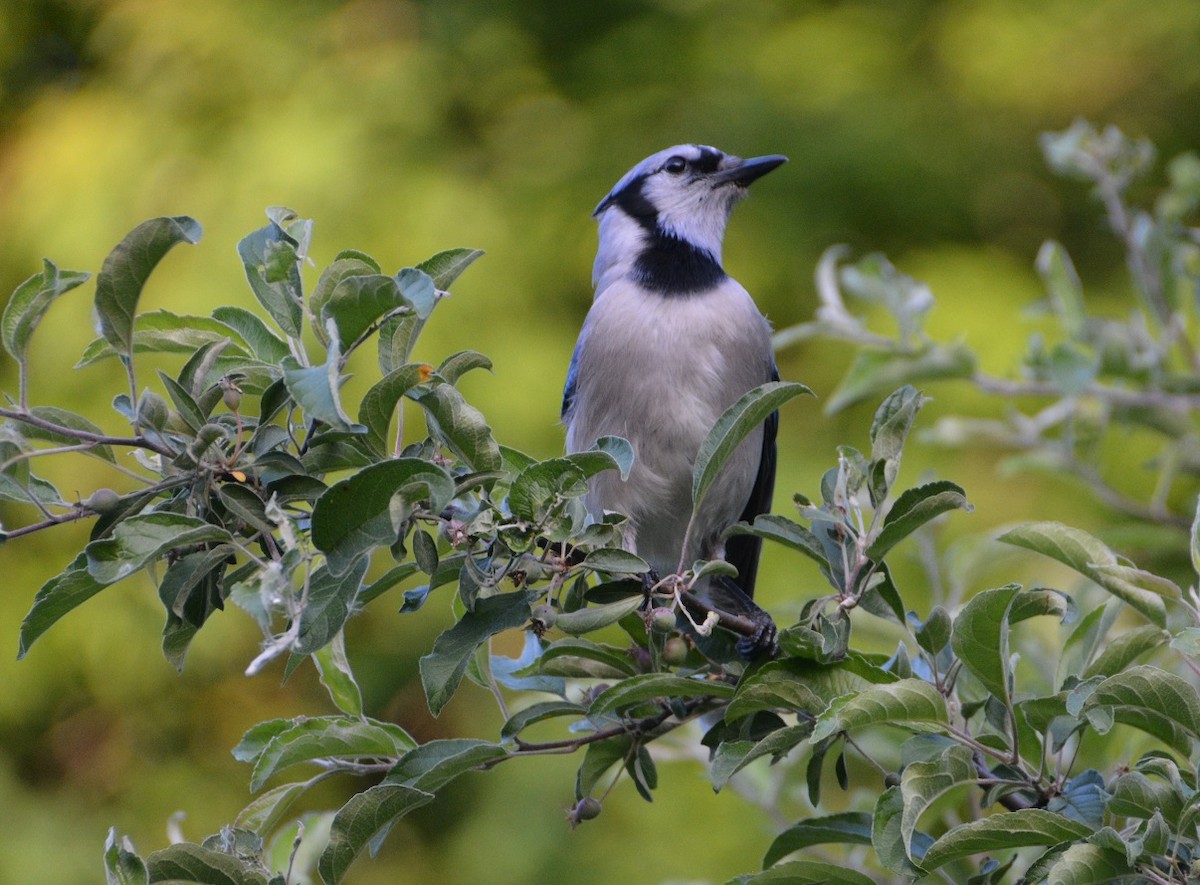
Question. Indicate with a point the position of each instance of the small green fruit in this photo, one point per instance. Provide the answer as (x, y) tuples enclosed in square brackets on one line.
[(102, 501), (586, 808), (662, 620), (546, 615), (675, 651)]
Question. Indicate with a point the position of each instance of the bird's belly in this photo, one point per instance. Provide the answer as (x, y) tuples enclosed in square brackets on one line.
[(662, 386)]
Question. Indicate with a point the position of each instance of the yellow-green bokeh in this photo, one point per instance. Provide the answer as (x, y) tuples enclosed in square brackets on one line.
[(404, 128)]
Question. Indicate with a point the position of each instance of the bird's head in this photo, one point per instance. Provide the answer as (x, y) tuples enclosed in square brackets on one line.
[(683, 193)]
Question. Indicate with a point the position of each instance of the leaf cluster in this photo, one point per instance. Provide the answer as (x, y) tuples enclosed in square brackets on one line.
[(247, 477)]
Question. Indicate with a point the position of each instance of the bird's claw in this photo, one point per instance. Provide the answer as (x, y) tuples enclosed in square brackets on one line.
[(763, 642)]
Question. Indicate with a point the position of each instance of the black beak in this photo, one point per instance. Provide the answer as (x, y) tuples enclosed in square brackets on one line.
[(750, 170)]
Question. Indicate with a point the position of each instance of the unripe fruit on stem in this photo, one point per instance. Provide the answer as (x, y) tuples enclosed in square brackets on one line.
[(675, 651), (545, 615), (586, 808), (102, 501), (662, 620)]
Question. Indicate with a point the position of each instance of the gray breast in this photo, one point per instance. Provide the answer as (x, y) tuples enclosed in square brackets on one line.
[(659, 372)]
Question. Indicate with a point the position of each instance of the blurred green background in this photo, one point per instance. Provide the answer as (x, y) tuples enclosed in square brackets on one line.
[(404, 128)]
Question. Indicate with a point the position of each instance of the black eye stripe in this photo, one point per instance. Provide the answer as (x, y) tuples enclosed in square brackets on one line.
[(708, 161)]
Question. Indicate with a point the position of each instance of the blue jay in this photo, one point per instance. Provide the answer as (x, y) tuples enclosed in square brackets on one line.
[(670, 342)]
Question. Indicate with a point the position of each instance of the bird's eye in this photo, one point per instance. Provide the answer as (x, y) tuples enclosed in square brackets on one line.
[(675, 165)]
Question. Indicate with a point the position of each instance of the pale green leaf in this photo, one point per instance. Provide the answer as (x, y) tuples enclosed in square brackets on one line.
[(923, 783), (650, 686), (738, 422), (980, 637), (1003, 832), (1083, 553), (597, 617), (360, 820), (126, 269), (142, 539), (197, 865), (443, 668), (29, 303), (912, 510), (355, 515), (904, 702)]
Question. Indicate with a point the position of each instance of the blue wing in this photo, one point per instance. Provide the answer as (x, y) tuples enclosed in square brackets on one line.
[(569, 389)]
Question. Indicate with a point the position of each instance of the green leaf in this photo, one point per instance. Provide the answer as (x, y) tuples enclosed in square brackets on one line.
[(315, 389), (802, 685), (732, 756), (443, 668), (324, 737), (614, 561), (1135, 795), (846, 828), (142, 539), (923, 783), (782, 530), (609, 453), (271, 257), (597, 617), (539, 712), (904, 702), (1151, 700), (934, 634), (574, 655), (461, 425), (263, 814), (1084, 864), (446, 267), (367, 814), (358, 514), (122, 866), (197, 865), (161, 331), (434, 764), (893, 421), (875, 371), (738, 422), (598, 758), (263, 343), (330, 599), (344, 266), (358, 302), (1062, 286), (980, 638), (29, 303), (1194, 540), (419, 290), (886, 835), (912, 510), (540, 489), (804, 872), (1003, 832), (1123, 649), (126, 269), (458, 364), (649, 686), (379, 403), (1083, 552)]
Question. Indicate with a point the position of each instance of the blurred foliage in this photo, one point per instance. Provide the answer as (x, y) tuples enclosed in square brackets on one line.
[(409, 127)]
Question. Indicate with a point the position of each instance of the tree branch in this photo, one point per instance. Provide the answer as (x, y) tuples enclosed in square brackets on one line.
[(136, 442)]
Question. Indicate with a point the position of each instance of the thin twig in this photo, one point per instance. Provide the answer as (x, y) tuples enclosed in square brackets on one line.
[(137, 442)]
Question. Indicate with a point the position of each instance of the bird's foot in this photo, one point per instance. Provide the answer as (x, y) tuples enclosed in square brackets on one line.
[(763, 642)]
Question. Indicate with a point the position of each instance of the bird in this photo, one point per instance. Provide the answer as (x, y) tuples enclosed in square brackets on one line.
[(669, 343)]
